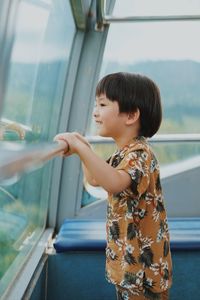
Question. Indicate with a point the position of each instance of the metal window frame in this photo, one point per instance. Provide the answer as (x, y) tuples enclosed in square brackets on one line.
[(104, 19), (80, 10), (84, 69), (19, 284)]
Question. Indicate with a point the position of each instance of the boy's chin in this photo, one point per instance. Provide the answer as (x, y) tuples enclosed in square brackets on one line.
[(102, 134), (99, 133)]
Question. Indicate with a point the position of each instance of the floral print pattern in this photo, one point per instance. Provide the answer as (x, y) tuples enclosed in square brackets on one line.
[(138, 254), (124, 294)]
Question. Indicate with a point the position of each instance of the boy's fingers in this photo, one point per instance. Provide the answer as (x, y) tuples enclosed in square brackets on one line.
[(59, 138), (82, 138)]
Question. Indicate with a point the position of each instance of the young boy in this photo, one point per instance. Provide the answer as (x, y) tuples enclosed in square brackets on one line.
[(138, 259)]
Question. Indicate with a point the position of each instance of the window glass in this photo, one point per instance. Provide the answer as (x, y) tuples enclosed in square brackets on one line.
[(37, 73), (156, 7), (168, 154), (167, 52)]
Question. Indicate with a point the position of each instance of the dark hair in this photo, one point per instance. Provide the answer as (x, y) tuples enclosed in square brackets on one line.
[(132, 92)]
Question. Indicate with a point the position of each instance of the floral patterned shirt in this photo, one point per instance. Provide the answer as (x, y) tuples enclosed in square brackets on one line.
[(138, 252)]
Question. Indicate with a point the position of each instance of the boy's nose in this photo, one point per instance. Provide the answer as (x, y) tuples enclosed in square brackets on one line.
[(95, 112)]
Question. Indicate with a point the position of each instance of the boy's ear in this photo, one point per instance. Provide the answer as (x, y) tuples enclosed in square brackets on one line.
[(133, 117)]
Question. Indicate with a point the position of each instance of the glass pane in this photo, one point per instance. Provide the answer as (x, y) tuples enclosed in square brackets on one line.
[(22, 218), (44, 35), (156, 7), (169, 54), (169, 153), (173, 155), (38, 68)]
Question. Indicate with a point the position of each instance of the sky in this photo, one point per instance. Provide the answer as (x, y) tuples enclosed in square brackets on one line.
[(154, 40), (127, 42)]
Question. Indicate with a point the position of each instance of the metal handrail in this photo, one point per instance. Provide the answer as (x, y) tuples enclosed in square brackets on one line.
[(107, 19), (18, 158), (159, 138)]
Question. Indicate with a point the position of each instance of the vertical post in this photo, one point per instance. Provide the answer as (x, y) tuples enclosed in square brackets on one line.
[(8, 12)]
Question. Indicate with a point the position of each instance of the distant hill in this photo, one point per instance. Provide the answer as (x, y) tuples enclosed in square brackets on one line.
[(23, 76), (179, 83)]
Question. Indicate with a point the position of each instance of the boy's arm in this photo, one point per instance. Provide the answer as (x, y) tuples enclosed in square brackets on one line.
[(87, 175), (86, 172), (112, 180), (89, 178)]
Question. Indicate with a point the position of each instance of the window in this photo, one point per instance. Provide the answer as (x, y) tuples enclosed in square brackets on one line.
[(38, 66), (167, 52), (170, 55)]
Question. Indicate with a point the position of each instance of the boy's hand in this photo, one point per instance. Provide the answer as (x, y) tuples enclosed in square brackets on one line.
[(82, 139), (60, 139), (72, 141)]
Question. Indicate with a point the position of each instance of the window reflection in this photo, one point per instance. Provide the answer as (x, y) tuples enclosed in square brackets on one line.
[(37, 72), (40, 53), (25, 58)]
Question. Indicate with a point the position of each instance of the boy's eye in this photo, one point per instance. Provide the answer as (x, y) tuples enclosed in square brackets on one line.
[(102, 104)]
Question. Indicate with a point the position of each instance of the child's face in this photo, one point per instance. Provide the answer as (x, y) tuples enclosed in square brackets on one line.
[(110, 122)]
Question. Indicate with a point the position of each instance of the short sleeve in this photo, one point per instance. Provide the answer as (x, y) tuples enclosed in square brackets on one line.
[(136, 163)]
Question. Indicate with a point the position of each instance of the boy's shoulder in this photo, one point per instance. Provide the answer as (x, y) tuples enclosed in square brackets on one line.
[(138, 144), (136, 149)]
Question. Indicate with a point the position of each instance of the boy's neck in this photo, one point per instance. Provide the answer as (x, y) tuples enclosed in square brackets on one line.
[(124, 140), (130, 130)]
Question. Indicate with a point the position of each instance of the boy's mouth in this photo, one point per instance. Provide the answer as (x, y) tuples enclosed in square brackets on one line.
[(99, 122)]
